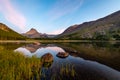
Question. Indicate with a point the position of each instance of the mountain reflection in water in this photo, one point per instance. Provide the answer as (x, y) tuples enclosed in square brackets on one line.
[(86, 61)]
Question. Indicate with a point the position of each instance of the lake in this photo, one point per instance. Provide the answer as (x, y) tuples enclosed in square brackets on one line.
[(83, 60)]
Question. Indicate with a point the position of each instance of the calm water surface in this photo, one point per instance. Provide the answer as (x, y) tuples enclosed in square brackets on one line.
[(86, 61)]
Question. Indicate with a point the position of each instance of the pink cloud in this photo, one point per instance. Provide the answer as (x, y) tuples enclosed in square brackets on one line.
[(11, 14), (59, 31)]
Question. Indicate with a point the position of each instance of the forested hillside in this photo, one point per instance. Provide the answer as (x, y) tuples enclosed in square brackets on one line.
[(8, 34)]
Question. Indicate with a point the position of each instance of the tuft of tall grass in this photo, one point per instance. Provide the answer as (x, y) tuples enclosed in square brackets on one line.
[(15, 66), (67, 69)]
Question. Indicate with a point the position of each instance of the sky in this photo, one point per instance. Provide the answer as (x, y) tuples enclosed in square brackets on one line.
[(53, 16)]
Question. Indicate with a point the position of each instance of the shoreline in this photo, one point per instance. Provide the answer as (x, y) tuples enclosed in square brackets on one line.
[(32, 41)]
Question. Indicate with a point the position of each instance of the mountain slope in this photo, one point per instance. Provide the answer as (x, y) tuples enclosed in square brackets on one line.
[(8, 34), (33, 33), (104, 28)]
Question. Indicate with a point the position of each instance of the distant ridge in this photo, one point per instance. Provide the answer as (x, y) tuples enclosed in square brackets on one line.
[(107, 28)]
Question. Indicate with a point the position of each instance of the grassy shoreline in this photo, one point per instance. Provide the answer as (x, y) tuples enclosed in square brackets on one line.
[(32, 41), (15, 66)]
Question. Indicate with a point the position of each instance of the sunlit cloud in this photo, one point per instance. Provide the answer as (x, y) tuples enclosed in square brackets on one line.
[(64, 7), (59, 31), (11, 14)]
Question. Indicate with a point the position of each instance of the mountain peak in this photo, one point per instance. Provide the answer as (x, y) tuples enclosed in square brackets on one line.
[(32, 31)]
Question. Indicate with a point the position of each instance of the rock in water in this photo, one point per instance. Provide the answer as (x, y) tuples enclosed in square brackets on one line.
[(47, 57), (62, 54)]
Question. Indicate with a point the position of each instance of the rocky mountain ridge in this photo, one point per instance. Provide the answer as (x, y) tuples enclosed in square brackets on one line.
[(107, 27)]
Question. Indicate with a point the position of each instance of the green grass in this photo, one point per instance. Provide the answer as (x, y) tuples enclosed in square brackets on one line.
[(8, 34), (15, 66)]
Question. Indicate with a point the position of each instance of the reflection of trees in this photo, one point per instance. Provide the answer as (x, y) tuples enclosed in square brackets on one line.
[(105, 53), (117, 45), (101, 44), (11, 46)]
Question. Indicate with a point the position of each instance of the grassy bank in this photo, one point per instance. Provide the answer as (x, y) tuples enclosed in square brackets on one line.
[(32, 41), (15, 66)]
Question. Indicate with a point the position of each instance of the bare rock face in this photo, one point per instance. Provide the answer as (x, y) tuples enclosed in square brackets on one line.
[(62, 54), (47, 58)]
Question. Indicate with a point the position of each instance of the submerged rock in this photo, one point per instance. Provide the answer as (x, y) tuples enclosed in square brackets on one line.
[(47, 57), (47, 64), (62, 54)]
